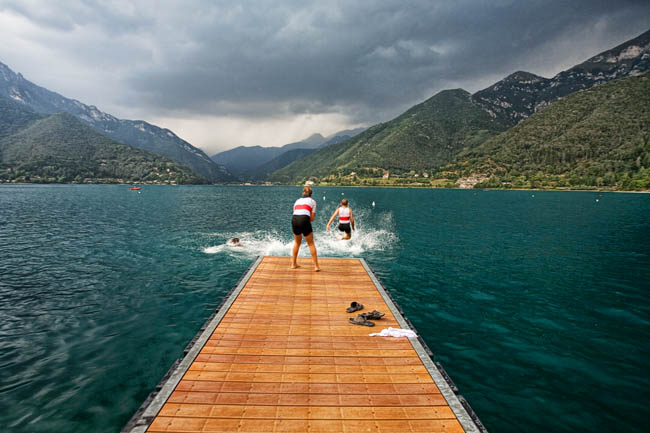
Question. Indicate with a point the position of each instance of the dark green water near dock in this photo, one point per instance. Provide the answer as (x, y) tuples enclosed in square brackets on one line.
[(536, 303)]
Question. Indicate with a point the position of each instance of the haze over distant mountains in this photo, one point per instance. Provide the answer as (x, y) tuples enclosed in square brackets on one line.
[(135, 133), (432, 134), (246, 162)]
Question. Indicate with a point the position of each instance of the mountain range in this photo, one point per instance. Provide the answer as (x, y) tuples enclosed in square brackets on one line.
[(60, 148), (521, 94), (436, 132), (135, 133), (426, 136), (254, 162), (596, 137), (498, 136)]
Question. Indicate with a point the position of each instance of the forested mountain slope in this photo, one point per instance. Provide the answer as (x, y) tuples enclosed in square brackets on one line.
[(60, 148), (135, 133), (426, 136), (596, 137)]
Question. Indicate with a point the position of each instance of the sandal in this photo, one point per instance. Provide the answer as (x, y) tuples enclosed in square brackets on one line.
[(354, 306), (360, 320), (373, 315)]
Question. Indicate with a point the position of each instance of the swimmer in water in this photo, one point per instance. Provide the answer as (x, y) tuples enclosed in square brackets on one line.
[(234, 242), (346, 220)]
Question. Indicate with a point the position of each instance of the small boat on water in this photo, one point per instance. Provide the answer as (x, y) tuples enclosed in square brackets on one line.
[(135, 188)]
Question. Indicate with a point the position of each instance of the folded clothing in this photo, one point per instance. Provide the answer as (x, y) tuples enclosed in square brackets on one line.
[(395, 332)]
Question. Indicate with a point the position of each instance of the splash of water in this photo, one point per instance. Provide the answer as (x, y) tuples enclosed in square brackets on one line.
[(373, 237), (258, 243)]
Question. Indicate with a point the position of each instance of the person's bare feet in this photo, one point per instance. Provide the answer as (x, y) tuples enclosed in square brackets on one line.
[(294, 267), (316, 269)]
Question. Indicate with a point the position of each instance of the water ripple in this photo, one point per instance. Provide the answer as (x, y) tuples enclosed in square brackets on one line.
[(539, 309)]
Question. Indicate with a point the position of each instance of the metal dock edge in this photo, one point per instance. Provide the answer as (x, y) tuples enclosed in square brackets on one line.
[(463, 411), (155, 401)]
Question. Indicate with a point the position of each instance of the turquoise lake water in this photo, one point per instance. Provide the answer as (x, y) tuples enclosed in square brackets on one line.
[(536, 303)]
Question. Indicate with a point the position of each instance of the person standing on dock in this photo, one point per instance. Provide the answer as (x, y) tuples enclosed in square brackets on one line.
[(346, 220), (304, 211)]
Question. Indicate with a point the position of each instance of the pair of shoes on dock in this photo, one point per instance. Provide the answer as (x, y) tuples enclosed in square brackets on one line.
[(363, 318), (354, 306)]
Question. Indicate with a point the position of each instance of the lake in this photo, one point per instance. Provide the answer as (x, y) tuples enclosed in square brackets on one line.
[(536, 303)]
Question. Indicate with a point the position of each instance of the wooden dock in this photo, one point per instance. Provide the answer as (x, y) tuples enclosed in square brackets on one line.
[(281, 356)]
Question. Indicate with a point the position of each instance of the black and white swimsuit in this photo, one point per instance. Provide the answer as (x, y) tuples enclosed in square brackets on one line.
[(301, 218), (344, 220)]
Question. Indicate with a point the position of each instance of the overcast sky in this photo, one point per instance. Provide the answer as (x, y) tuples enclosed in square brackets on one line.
[(227, 73)]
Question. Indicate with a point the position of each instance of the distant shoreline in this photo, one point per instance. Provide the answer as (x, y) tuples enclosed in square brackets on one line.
[(645, 191), (348, 186)]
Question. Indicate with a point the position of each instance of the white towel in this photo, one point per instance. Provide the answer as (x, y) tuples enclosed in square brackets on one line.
[(395, 332)]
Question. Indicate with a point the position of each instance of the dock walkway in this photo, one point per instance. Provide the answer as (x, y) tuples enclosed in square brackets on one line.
[(281, 356)]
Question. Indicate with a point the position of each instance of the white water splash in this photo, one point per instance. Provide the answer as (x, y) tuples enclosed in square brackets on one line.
[(252, 244), (214, 250), (263, 243)]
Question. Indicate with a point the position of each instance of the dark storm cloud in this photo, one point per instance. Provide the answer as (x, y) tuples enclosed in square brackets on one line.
[(66, 15), (366, 59)]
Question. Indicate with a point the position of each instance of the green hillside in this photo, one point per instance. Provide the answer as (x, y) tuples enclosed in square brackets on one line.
[(427, 136), (59, 148), (14, 117), (135, 133), (594, 138)]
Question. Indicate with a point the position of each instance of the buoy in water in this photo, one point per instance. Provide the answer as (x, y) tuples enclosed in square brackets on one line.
[(342, 193), (373, 204), (323, 197)]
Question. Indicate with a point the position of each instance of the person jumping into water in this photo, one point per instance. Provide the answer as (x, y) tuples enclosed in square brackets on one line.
[(346, 220), (304, 211)]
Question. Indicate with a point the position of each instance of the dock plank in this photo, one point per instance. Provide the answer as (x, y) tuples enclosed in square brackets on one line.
[(284, 358)]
